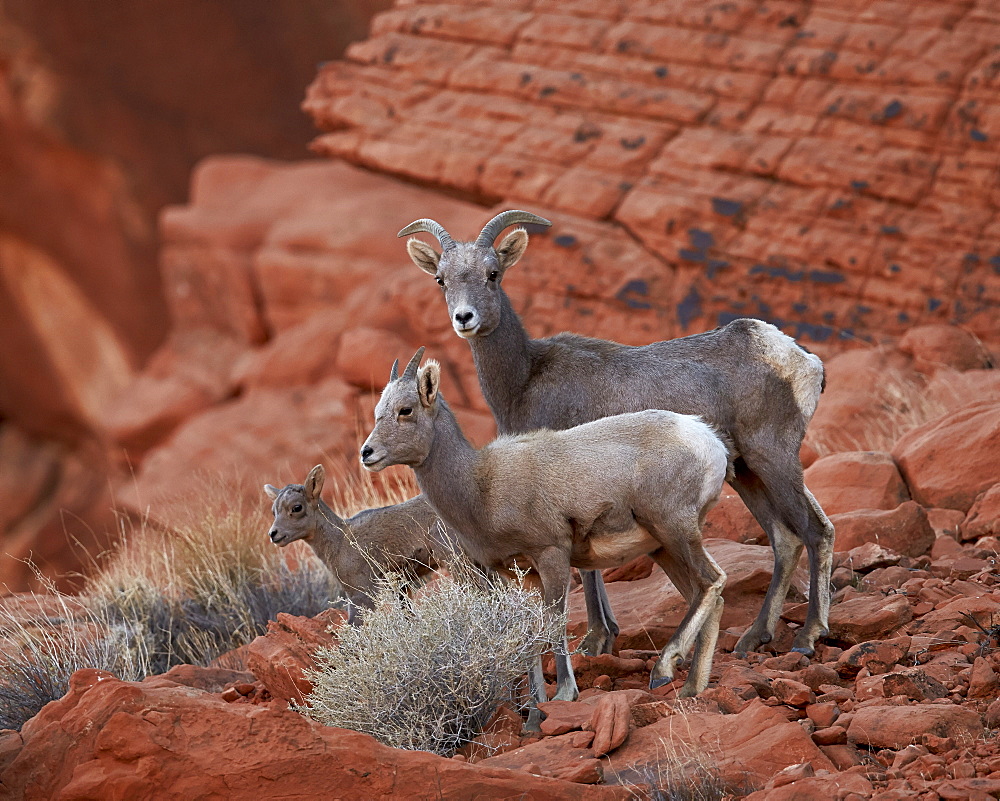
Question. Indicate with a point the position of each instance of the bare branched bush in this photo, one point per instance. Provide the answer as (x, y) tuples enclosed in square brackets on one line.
[(429, 673), (39, 652)]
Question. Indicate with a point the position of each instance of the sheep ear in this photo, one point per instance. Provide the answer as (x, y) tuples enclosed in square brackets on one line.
[(428, 383), (511, 248), (271, 492), (314, 482), (423, 255)]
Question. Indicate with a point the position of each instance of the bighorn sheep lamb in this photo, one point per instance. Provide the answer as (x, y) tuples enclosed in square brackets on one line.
[(593, 496), (747, 379), (402, 537)]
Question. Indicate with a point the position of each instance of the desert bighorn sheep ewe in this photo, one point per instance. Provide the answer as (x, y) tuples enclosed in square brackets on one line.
[(593, 496), (747, 379), (402, 537)]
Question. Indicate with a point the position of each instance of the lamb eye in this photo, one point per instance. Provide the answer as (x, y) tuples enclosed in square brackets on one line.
[(494, 275), (405, 411), (297, 508)]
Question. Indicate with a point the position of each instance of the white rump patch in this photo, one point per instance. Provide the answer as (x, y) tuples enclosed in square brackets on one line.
[(803, 371)]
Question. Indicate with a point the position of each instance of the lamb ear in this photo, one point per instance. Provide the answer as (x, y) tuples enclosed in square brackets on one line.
[(271, 492), (423, 255), (314, 482), (428, 383), (511, 248)]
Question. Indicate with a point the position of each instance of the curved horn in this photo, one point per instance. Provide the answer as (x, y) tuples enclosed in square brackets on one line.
[(411, 368), (502, 220), (394, 372), (430, 227)]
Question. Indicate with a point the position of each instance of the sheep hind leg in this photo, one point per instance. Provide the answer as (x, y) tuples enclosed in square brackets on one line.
[(690, 567), (602, 626), (819, 545), (785, 545)]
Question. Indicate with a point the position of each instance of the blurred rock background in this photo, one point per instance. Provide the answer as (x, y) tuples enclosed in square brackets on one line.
[(831, 167)]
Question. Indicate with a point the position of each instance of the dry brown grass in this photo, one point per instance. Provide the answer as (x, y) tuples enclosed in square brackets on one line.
[(894, 407)]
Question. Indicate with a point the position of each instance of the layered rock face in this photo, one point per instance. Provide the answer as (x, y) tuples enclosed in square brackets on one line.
[(828, 166)]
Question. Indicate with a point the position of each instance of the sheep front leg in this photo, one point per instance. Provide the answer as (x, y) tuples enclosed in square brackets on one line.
[(554, 571)]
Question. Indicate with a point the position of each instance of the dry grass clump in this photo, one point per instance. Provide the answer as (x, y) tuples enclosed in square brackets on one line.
[(429, 673), (40, 649), (896, 406), (207, 588), (681, 773)]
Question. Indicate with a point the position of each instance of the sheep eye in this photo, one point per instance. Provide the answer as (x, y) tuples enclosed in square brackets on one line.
[(493, 275), (297, 508), (440, 280), (405, 411)]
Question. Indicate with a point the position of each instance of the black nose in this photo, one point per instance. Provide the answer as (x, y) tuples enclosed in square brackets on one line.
[(274, 535), (366, 452), (464, 317)]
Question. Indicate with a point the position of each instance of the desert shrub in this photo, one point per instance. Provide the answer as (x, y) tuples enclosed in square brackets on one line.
[(428, 673), (39, 652)]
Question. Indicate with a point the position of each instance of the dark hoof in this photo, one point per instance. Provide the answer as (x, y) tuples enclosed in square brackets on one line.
[(654, 683), (805, 650)]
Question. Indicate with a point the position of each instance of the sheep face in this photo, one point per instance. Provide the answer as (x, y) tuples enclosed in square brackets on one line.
[(295, 508), (404, 420), (470, 274)]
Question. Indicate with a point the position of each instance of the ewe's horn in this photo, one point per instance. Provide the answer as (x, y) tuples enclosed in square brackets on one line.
[(430, 227), (502, 220), (411, 368), (394, 372)]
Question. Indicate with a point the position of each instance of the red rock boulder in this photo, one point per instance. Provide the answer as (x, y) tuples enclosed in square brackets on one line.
[(904, 529), (949, 461), (898, 726), (158, 739), (845, 482), (935, 346)]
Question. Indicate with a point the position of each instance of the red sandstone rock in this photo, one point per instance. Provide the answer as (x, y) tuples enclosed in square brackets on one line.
[(361, 353), (957, 613), (898, 726), (904, 529), (948, 462), (862, 618), (983, 681), (753, 744), (102, 738), (566, 756), (934, 346), (279, 657), (792, 692), (841, 786), (846, 482), (874, 656), (868, 557), (611, 723), (983, 519)]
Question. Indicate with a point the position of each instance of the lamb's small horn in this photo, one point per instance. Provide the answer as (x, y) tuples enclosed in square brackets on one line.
[(411, 368), (394, 372), (493, 228), (431, 227)]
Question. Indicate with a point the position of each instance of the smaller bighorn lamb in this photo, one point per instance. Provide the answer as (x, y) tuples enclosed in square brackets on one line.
[(401, 538), (594, 496)]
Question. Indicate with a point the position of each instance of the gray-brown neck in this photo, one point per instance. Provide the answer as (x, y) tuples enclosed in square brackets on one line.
[(503, 362), (331, 531), (447, 476)]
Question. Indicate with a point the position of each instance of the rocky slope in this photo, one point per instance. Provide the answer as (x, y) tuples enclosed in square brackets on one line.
[(900, 701)]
